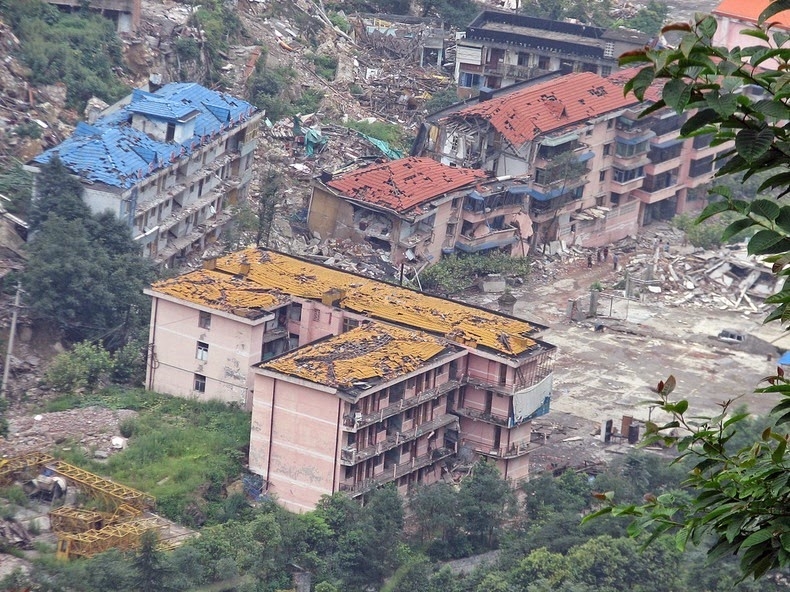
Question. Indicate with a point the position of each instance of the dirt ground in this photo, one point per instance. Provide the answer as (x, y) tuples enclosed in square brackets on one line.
[(608, 374)]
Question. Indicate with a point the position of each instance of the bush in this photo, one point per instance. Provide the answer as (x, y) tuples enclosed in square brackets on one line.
[(128, 364), (128, 427), (81, 368), (340, 22), (456, 274), (382, 130), (444, 98), (325, 66), (187, 49), (28, 130)]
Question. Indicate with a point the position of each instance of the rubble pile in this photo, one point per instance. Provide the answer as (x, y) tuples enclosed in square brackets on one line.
[(14, 534), (91, 428)]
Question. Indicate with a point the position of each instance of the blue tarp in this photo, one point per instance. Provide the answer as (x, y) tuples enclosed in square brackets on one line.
[(785, 359)]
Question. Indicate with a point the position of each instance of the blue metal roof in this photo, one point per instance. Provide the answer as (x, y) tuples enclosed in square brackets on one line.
[(113, 153)]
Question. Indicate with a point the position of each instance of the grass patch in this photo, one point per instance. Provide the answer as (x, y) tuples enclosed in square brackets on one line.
[(183, 452)]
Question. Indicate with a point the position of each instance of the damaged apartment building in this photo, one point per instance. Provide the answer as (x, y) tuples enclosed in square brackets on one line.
[(169, 163), (597, 171), (417, 209), (502, 48), (352, 383)]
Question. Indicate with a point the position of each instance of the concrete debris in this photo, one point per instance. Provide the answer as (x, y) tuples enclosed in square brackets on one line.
[(91, 428), (14, 534)]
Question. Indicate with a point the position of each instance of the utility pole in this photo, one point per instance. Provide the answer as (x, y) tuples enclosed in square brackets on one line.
[(7, 366)]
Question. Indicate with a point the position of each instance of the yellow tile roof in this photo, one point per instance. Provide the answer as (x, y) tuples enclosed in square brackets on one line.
[(222, 291), (267, 270), (371, 352)]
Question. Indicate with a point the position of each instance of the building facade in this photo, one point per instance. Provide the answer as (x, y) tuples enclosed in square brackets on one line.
[(502, 48), (352, 382), (418, 209), (125, 13), (597, 171), (733, 16), (169, 163)]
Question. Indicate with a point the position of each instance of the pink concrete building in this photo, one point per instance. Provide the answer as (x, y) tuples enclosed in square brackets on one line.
[(733, 16), (418, 209), (338, 403), (597, 172)]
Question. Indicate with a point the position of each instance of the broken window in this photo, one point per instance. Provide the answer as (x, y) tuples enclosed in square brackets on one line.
[(607, 148), (295, 312), (170, 135), (624, 176), (202, 351), (199, 383), (544, 63), (204, 320), (523, 59), (349, 324)]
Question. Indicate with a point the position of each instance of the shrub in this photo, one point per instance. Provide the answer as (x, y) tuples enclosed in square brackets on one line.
[(325, 66), (81, 368), (187, 49), (128, 427), (28, 130), (444, 98), (382, 130), (456, 274)]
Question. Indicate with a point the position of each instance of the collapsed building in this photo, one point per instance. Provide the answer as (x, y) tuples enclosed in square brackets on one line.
[(417, 210), (502, 48), (169, 163), (352, 382), (597, 170)]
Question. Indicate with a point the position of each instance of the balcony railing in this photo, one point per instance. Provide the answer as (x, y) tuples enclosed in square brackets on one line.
[(515, 449), (396, 472), (350, 456), (482, 416), (359, 421)]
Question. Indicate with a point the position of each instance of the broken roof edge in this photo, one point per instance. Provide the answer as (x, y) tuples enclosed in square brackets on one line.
[(537, 327), (262, 315)]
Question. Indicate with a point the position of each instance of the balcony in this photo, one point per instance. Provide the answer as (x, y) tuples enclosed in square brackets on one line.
[(350, 456), (483, 416), (396, 472), (492, 240), (415, 238), (656, 195), (626, 186), (360, 421), (515, 449)]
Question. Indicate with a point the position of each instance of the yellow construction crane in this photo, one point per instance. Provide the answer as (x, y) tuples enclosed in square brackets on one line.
[(81, 532)]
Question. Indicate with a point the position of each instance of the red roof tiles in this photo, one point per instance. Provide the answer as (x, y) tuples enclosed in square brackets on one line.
[(403, 185), (749, 10), (542, 108)]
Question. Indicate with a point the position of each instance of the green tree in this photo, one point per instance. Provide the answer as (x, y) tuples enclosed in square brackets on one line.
[(150, 564), (649, 19), (59, 194), (739, 498), (485, 500)]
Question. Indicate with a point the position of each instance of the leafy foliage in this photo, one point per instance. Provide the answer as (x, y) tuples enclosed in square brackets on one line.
[(79, 49), (649, 19), (84, 274), (389, 132), (440, 100), (594, 12), (739, 495), (17, 185), (458, 273)]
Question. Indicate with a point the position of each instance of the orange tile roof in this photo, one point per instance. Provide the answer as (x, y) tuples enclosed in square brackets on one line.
[(749, 10), (223, 292), (523, 115), (372, 352), (403, 185), (266, 273)]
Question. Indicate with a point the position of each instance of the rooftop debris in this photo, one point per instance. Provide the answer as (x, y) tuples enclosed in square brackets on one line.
[(461, 323), (372, 352)]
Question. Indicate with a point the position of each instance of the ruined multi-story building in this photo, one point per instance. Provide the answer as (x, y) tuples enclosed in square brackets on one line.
[(597, 171), (502, 48), (417, 209), (169, 163), (352, 382)]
